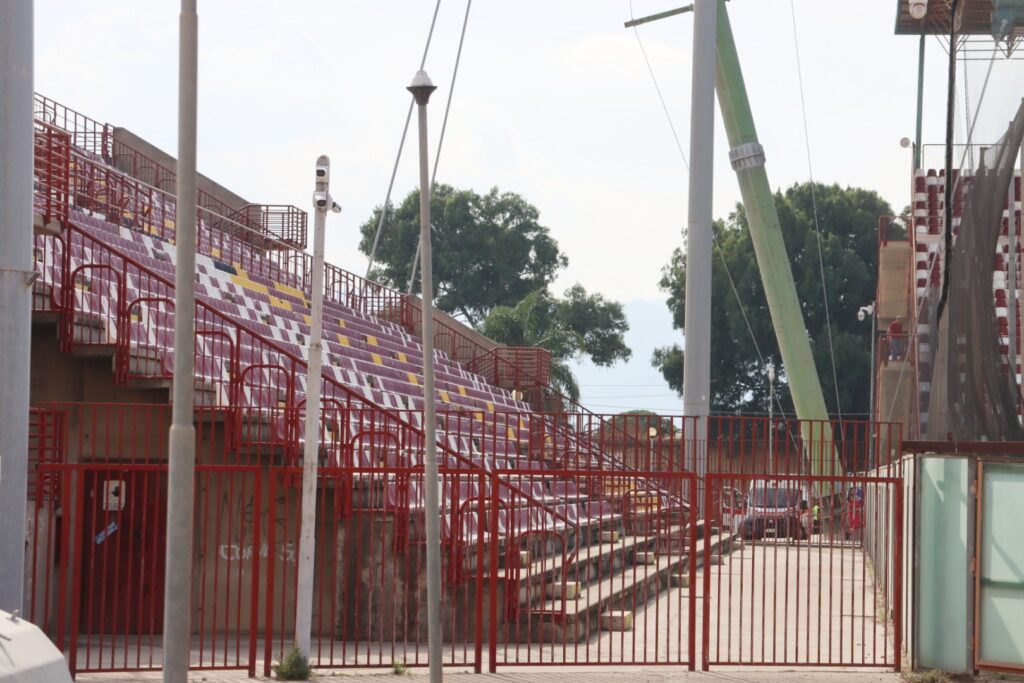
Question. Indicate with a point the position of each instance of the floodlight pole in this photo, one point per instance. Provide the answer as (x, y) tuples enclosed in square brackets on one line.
[(700, 223), (421, 89), (182, 437), (697, 323), (322, 203), (16, 139)]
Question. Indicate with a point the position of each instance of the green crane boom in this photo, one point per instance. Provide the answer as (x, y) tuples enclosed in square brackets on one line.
[(747, 158)]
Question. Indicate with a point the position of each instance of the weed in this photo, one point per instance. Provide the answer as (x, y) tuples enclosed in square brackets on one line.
[(292, 666)]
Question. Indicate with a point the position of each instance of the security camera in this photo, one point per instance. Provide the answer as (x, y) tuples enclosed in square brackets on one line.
[(323, 169), (335, 206), (321, 200)]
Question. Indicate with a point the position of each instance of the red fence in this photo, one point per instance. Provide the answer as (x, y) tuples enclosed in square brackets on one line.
[(801, 591), (602, 573)]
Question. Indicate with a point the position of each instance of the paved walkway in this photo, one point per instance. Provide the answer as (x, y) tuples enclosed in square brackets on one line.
[(615, 676)]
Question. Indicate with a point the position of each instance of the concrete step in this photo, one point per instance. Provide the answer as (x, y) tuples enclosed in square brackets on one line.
[(627, 588)]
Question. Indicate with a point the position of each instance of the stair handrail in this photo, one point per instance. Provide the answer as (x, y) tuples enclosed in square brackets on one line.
[(297, 363)]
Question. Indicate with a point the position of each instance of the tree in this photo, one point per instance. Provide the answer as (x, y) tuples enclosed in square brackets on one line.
[(848, 221), (489, 250), (576, 325)]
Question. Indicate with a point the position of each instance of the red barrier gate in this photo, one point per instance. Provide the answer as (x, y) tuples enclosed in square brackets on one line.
[(802, 587), (98, 564), (568, 558), (614, 586)]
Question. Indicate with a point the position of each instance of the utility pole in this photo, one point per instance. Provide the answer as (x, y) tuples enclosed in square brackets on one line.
[(322, 202), (699, 238), (182, 437), (16, 276), (697, 323), (421, 88)]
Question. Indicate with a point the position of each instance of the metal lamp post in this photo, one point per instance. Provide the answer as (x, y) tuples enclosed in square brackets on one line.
[(182, 437), (421, 89)]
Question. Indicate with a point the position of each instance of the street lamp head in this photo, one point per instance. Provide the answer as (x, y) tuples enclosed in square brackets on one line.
[(421, 87)]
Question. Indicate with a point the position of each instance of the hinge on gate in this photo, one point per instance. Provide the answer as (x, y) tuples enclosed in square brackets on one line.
[(972, 490), (974, 566)]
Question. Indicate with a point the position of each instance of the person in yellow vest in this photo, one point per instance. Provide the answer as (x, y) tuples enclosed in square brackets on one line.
[(816, 518)]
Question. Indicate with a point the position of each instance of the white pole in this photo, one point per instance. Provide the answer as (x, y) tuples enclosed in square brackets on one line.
[(182, 438), (697, 329), (871, 385), (421, 89), (15, 298), (311, 452), (771, 419)]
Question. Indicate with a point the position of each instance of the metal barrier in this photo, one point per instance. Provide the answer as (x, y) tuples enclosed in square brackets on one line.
[(616, 590), (800, 590), (582, 561)]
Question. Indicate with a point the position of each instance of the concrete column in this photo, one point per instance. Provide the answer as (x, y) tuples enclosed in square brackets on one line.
[(15, 292)]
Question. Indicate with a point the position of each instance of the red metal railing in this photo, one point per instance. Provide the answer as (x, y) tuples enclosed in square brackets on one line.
[(260, 376), (51, 164), (87, 134), (514, 368), (284, 223), (138, 193)]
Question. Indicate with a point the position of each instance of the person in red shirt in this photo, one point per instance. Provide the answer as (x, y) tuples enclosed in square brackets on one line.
[(897, 339)]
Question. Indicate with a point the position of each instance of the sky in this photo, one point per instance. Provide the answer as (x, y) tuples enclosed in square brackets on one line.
[(553, 101)]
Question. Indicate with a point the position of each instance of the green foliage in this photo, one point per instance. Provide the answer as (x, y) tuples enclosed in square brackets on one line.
[(292, 666), (641, 421), (488, 250), (577, 325), (849, 241), (399, 668)]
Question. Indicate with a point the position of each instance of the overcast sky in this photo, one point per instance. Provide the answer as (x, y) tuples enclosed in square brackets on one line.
[(553, 101)]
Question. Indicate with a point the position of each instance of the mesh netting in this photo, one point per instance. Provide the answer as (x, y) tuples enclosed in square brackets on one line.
[(972, 396)]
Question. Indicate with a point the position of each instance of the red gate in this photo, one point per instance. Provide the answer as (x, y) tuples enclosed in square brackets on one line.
[(607, 578), (801, 586), (97, 555)]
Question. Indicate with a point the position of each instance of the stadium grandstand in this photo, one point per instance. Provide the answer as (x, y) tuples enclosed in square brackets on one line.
[(580, 520), (566, 536)]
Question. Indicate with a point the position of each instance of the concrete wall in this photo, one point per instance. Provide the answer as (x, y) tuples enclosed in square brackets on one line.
[(123, 136), (57, 376)]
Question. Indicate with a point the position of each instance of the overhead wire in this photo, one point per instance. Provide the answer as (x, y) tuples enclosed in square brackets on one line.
[(401, 146), (714, 238), (440, 141), (814, 208)]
